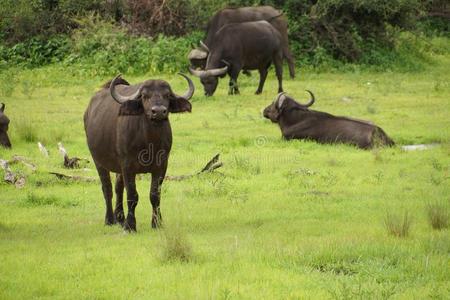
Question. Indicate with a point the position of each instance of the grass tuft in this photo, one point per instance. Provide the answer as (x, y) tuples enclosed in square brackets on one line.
[(32, 200), (438, 215), (176, 246), (26, 130), (398, 225)]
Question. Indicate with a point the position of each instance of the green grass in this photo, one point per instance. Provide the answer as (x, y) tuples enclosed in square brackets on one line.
[(286, 220)]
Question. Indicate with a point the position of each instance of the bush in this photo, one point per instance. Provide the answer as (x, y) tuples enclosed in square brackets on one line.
[(103, 48), (36, 52)]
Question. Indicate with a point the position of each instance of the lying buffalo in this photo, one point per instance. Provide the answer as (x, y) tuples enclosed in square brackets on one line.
[(296, 121), (129, 135), (249, 46), (4, 123), (239, 15)]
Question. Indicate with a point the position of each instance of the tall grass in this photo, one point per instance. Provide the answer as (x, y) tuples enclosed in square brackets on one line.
[(26, 130), (175, 245), (438, 215), (398, 224)]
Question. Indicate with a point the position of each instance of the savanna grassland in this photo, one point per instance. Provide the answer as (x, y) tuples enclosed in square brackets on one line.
[(279, 220)]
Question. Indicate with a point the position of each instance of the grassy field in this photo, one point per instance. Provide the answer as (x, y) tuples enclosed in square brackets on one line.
[(286, 220)]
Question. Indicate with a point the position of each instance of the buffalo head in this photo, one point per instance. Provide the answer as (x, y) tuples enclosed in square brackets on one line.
[(284, 103), (4, 123), (209, 78), (154, 98)]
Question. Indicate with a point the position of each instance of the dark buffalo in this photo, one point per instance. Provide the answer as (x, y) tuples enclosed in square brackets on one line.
[(250, 46), (129, 135), (4, 123), (239, 15), (296, 121)]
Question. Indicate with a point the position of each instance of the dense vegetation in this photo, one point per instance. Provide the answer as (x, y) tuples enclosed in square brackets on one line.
[(136, 36)]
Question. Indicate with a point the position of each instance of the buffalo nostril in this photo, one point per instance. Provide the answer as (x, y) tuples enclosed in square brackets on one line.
[(153, 111), (164, 111)]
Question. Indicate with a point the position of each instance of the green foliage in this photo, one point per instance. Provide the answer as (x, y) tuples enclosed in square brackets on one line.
[(102, 48), (137, 37), (36, 52)]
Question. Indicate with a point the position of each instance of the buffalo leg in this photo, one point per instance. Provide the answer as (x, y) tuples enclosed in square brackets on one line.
[(155, 197), (262, 79), (107, 194), (234, 73), (118, 212), (290, 60), (278, 62), (132, 200)]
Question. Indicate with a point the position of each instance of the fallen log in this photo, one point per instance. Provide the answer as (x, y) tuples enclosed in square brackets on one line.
[(70, 163), (25, 161), (210, 166), (72, 177), (10, 177)]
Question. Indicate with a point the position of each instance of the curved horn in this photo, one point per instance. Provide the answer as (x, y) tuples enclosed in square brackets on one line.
[(311, 101), (197, 73), (209, 73), (217, 72), (2, 107), (280, 99), (204, 46), (190, 92), (120, 98), (197, 54)]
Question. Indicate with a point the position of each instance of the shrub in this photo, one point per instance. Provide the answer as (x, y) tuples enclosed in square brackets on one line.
[(103, 48), (398, 225), (438, 215)]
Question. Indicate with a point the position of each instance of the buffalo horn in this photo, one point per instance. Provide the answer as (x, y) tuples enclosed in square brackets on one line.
[(209, 73), (2, 107), (311, 101), (120, 98), (190, 92), (197, 54), (204, 46), (280, 99)]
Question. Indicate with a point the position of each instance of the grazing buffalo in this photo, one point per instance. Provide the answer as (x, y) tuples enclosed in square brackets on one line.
[(129, 135), (239, 15), (4, 123), (249, 46), (296, 121)]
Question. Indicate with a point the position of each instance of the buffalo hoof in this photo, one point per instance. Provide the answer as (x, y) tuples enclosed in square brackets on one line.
[(109, 220), (130, 224), (119, 216), (156, 222), (258, 92)]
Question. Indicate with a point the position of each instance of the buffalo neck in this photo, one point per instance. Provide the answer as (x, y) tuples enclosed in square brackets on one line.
[(291, 117)]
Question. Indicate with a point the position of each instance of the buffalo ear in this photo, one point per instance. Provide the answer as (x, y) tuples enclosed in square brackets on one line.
[(179, 104), (131, 108), (2, 107)]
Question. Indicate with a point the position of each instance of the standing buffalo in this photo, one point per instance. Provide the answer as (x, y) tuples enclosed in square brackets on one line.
[(296, 121), (129, 135), (249, 46), (239, 15), (4, 123)]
